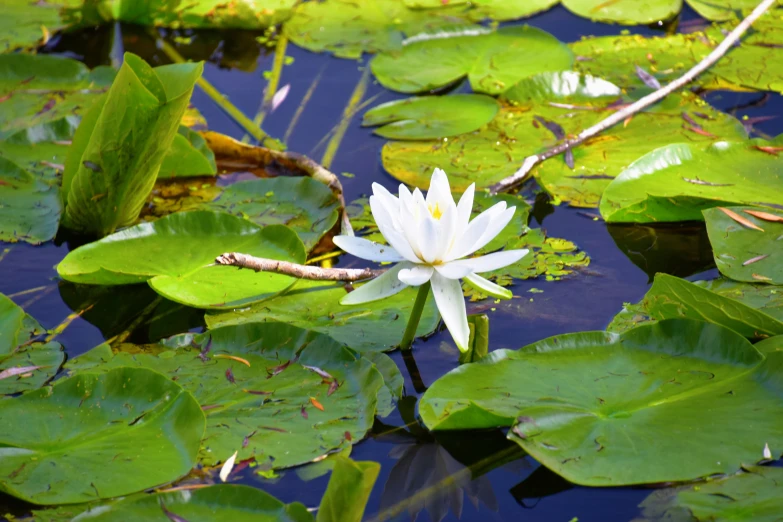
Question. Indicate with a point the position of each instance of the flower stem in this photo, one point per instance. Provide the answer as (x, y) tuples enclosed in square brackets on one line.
[(413, 322)]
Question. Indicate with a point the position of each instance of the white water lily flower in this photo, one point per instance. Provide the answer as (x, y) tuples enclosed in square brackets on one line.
[(430, 239)]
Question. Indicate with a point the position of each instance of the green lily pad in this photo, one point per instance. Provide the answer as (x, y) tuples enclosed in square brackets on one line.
[(22, 24), (121, 143), (347, 28), (754, 495), (490, 60), (743, 253), (519, 130), (305, 205), (315, 305), (201, 13), (479, 10), (746, 67), (752, 310), (268, 410), (29, 208), (677, 182), (217, 503), (36, 89), (104, 435), (629, 12), (431, 116), (672, 401), (24, 364), (176, 255), (721, 10)]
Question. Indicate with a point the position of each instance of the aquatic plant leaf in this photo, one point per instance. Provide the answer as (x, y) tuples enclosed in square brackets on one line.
[(478, 10), (754, 311), (678, 181), (347, 28), (19, 350), (29, 208), (188, 156), (573, 102), (315, 305), (745, 67), (263, 410), (107, 435), (176, 255), (490, 60), (217, 503), (200, 13), (121, 142), (721, 10), (37, 89), (431, 116), (754, 494), (671, 401), (348, 491), (743, 253), (305, 205), (630, 12)]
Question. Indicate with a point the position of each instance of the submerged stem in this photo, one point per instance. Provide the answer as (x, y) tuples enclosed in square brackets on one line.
[(413, 322)]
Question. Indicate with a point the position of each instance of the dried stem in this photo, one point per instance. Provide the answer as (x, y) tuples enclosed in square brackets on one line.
[(260, 264), (531, 161)]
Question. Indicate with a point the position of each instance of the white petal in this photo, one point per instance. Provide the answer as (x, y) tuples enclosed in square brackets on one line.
[(474, 232), (225, 471), (451, 304), (495, 227), (365, 249), (465, 207), (439, 188), (385, 285), (490, 262), (454, 270), (389, 232), (428, 238), (488, 287), (447, 233), (416, 275)]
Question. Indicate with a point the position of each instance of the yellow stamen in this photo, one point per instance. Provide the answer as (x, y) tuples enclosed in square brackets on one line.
[(436, 212)]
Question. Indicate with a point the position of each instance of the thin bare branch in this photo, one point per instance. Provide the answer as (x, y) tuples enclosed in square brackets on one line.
[(260, 264), (733, 37)]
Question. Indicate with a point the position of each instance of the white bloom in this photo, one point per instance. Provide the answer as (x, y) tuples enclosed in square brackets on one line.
[(429, 239)]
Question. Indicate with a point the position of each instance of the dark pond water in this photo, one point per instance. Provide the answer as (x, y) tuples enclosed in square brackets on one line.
[(467, 476)]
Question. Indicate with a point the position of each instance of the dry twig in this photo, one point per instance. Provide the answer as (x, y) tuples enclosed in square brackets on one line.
[(260, 264)]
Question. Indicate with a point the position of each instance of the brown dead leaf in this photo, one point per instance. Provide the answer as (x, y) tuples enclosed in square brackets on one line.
[(10, 372), (766, 216), (755, 260), (759, 277), (739, 219), (233, 358), (317, 404)]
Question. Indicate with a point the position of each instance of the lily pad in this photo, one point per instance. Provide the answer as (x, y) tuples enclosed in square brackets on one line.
[(104, 435), (217, 503), (315, 305), (28, 24), (25, 364), (677, 182), (744, 253), (478, 10), (431, 116), (188, 156), (264, 389), (752, 310), (754, 495), (201, 13), (721, 10), (672, 401), (348, 28), (569, 103), (745, 67), (490, 60), (29, 208), (36, 89), (305, 205), (176, 255), (630, 12)]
